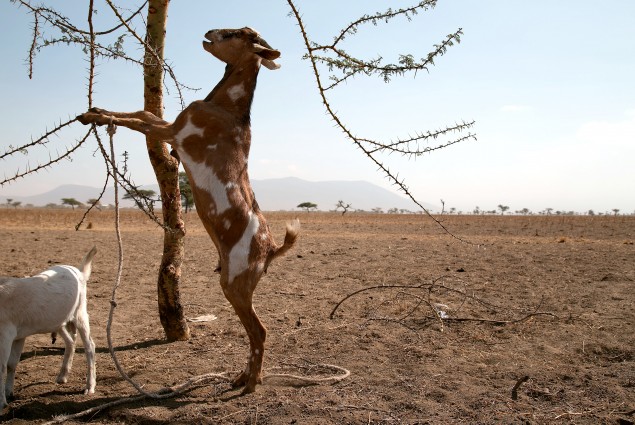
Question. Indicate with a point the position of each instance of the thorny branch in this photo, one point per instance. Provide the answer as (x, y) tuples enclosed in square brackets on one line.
[(42, 140), (350, 66)]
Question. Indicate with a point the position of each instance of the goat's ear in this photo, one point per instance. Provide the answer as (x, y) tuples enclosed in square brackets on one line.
[(270, 64), (266, 52), (268, 55)]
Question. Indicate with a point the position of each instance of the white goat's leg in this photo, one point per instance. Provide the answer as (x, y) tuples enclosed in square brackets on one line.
[(3, 376), (14, 358), (83, 326), (6, 341), (69, 352), (4, 355)]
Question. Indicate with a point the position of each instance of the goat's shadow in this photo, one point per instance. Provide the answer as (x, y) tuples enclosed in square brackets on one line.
[(37, 409), (58, 351), (127, 411)]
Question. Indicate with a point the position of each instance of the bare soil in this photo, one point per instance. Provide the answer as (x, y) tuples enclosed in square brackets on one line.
[(442, 333)]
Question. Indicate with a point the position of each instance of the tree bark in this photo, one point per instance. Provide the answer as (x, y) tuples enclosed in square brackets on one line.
[(166, 169)]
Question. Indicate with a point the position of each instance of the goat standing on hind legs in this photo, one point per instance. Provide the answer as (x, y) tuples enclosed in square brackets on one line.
[(212, 138)]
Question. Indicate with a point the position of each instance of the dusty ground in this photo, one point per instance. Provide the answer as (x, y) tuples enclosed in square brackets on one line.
[(565, 285)]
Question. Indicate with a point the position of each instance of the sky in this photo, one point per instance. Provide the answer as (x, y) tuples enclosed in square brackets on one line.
[(549, 83)]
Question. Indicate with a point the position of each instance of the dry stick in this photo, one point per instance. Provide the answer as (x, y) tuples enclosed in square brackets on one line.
[(94, 204), (518, 384), (336, 378), (428, 286), (438, 316)]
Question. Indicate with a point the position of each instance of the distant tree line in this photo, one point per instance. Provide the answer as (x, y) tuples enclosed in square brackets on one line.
[(149, 196)]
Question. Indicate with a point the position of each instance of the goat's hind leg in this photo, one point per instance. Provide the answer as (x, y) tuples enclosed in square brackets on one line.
[(83, 327), (239, 294), (69, 352)]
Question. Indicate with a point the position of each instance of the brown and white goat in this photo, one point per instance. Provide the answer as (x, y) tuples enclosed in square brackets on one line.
[(212, 139)]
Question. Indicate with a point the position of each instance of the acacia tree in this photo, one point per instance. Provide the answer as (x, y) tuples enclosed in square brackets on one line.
[(308, 206), (72, 202), (331, 66), (344, 206), (503, 208), (166, 169), (187, 197)]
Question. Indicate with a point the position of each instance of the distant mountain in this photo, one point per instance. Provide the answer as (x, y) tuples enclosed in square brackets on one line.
[(79, 192), (272, 195), (286, 193)]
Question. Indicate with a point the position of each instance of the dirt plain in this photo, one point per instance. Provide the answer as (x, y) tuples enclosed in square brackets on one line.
[(440, 333)]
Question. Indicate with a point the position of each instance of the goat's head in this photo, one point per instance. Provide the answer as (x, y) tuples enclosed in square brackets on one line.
[(234, 45)]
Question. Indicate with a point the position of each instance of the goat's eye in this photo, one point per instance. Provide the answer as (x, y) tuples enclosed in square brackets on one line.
[(231, 34)]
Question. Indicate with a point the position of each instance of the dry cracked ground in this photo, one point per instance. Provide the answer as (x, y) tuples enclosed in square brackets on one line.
[(528, 320)]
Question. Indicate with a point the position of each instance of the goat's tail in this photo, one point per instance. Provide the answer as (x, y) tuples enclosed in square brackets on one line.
[(87, 263), (293, 230)]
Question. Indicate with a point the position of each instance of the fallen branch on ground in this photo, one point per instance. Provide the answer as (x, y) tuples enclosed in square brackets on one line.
[(438, 309)]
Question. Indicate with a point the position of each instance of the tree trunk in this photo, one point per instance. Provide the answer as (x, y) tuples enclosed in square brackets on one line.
[(166, 169)]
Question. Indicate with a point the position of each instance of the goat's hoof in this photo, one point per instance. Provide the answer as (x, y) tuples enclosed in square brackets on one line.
[(244, 380), (248, 389), (83, 118), (90, 118), (89, 391), (61, 380), (240, 380), (93, 116)]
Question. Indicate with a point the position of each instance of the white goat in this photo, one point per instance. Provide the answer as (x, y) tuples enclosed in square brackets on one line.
[(52, 301)]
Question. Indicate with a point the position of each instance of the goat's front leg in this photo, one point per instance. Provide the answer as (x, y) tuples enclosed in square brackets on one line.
[(7, 337), (142, 121), (12, 364), (6, 391)]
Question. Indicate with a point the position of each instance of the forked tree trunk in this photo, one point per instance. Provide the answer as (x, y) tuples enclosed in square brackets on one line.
[(166, 169)]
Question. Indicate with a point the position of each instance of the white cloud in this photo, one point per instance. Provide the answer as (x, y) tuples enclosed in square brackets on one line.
[(612, 133), (515, 108)]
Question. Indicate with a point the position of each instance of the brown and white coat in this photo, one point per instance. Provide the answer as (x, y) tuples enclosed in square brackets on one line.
[(212, 138)]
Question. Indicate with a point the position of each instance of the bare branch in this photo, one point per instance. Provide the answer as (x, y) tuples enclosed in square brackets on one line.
[(48, 164), (437, 315), (40, 141), (109, 31)]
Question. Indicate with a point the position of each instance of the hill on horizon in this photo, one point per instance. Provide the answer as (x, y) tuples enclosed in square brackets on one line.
[(272, 195)]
